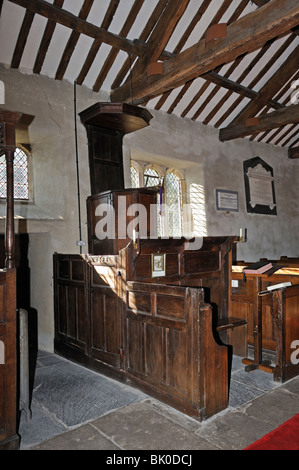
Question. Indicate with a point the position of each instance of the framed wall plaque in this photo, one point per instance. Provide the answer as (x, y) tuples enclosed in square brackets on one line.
[(158, 264), (259, 187), (227, 200)]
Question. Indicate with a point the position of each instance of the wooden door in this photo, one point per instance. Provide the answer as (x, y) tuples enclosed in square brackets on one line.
[(70, 302), (105, 316)]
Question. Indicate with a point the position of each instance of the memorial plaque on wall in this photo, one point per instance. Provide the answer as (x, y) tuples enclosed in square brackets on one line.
[(259, 187)]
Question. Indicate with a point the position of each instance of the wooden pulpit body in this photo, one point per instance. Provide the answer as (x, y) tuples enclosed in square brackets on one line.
[(115, 314)]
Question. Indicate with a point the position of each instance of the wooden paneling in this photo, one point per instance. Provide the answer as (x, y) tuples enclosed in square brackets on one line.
[(8, 371), (104, 325), (158, 336), (109, 211), (169, 353), (70, 302)]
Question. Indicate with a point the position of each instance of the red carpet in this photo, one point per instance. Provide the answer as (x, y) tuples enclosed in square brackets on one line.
[(285, 437)]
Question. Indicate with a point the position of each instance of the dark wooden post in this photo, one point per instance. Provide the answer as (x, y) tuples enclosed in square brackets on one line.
[(8, 120), (10, 228), (9, 439)]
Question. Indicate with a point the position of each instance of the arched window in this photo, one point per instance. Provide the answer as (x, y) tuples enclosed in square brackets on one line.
[(173, 198), (21, 186), (134, 177), (170, 198), (151, 177)]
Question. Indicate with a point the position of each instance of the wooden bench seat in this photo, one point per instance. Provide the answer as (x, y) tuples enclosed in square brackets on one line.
[(233, 331), (230, 322)]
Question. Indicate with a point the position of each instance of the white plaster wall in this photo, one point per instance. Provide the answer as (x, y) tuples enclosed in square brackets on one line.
[(52, 218), (52, 221), (211, 164)]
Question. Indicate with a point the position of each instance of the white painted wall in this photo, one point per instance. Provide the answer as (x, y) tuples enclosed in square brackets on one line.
[(52, 219), (210, 164)]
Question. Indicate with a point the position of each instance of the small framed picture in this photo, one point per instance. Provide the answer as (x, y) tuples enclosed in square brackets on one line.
[(158, 264)]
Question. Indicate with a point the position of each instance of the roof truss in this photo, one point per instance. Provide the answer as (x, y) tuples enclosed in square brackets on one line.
[(241, 35)]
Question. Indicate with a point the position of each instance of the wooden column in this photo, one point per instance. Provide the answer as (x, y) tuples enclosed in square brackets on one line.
[(10, 228), (9, 439), (8, 121)]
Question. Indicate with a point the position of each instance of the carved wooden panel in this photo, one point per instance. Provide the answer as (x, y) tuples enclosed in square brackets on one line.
[(70, 302), (105, 325), (8, 360)]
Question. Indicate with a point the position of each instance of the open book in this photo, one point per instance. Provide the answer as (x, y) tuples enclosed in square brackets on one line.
[(258, 268)]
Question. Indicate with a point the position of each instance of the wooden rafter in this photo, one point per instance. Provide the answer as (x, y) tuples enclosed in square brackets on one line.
[(114, 51), (260, 3), (271, 30), (143, 37), (160, 36), (22, 39), (71, 21), (97, 42), (293, 152), (245, 35), (44, 45), (202, 9), (73, 39), (280, 117), (278, 79)]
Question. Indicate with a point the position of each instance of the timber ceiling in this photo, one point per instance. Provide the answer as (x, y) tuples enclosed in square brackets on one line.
[(232, 64)]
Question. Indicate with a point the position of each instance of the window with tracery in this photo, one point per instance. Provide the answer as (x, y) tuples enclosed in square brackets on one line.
[(173, 200), (169, 198), (134, 177), (21, 185), (151, 177)]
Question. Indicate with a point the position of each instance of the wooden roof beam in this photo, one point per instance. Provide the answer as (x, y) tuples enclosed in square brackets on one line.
[(260, 3), (67, 19), (247, 34), (293, 152), (235, 87), (273, 120), (271, 88), (160, 35)]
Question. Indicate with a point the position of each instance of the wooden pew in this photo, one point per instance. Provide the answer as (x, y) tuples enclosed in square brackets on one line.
[(159, 337), (260, 313), (208, 267), (170, 348), (166, 331)]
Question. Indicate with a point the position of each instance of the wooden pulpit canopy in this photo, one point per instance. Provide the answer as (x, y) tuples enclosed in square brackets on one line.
[(106, 124), (122, 117)]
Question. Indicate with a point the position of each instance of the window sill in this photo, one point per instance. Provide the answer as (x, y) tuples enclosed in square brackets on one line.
[(28, 210)]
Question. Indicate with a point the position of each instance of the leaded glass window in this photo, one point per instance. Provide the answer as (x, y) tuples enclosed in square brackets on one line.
[(173, 201), (151, 177), (21, 187), (134, 177)]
